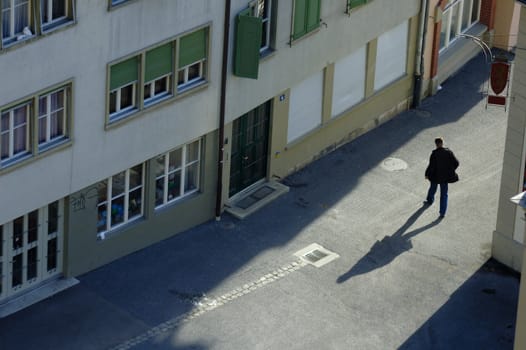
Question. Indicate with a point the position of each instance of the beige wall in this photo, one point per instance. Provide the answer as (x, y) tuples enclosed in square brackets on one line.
[(507, 15), (506, 249), (520, 325)]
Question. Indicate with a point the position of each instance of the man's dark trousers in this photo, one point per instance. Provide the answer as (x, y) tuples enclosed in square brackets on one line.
[(443, 196)]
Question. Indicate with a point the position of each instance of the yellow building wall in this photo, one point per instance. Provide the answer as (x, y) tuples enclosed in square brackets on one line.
[(507, 13)]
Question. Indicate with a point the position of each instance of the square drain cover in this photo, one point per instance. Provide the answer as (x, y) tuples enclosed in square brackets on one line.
[(316, 255)]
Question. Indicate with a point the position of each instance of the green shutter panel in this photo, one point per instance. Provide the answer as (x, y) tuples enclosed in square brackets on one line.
[(124, 73), (313, 14), (192, 48), (248, 42), (356, 3), (158, 62), (300, 11)]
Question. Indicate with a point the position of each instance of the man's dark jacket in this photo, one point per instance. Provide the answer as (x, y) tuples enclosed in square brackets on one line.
[(442, 166)]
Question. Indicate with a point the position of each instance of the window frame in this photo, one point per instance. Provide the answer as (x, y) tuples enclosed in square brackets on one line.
[(267, 24), (35, 149), (306, 29), (50, 141), (35, 21), (446, 38), (110, 198), (11, 132), (68, 18), (175, 90), (181, 169), (15, 37)]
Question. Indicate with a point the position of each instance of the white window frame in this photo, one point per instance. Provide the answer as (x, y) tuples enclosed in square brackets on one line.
[(49, 139), (154, 97), (110, 198), (447, 16), (182, 170), (186, 81), (49, 11), (16, 36), (119, 110), (10, 132), (266, 21)]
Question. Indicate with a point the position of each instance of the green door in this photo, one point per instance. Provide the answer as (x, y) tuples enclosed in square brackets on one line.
[(249, 148)]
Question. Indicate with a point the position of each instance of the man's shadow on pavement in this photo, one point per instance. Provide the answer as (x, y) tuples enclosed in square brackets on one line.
[(386, 250)]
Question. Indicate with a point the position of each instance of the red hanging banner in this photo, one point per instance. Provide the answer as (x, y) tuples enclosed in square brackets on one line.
[(500, 71)]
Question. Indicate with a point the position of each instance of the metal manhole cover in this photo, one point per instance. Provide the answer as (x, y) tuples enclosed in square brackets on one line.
[(316, 255), (394, 164)]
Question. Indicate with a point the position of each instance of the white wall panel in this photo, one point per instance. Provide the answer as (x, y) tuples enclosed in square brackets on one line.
[(305, 106), (349, 81), (391, 55)]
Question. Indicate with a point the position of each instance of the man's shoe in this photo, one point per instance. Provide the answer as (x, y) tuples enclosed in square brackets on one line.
[(441, 216), (427, 203)]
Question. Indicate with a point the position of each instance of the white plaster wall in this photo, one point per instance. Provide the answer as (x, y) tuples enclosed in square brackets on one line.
[(341, 36), (82, 52)]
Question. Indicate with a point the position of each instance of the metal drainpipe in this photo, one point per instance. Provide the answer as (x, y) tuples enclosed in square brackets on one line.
[(419, 66), (222, 108)]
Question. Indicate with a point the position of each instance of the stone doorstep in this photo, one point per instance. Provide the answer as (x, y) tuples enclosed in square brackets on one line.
[(36, 295), (249, 202)]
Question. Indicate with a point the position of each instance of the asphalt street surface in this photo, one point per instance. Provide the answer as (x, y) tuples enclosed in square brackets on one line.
[(402, 278)]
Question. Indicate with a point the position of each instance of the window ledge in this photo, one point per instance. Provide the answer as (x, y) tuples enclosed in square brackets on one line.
[(57, 25), (119, 229), (112, 6), (187, 196)]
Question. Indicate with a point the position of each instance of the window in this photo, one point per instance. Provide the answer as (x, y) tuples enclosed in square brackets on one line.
[(16, 20), (252, 38), (123, 87), (43, 117), (24, 19), (262, 9), (114, 3), (192, 59), (177, 173), (457, 18), (150, 77), (391, 55), (52, 117), (158, 71), (14, 132), (120, 199), (306, 17), (55, 12)]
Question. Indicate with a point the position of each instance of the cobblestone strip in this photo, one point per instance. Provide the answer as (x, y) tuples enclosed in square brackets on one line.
[(206, 304)]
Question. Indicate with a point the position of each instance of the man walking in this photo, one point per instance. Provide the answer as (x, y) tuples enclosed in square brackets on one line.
[(441, 171)]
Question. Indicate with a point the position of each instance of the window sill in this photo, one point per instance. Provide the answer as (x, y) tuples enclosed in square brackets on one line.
[(157, 99), (119, 229), (187, 196), (26, 159), (57, 25), (119, 117)]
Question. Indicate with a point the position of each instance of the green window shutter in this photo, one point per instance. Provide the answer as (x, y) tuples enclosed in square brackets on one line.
[(248, 41), (356, 3), (124, 73), (313, 14), (158, 62), (192, 48), (300, 11)]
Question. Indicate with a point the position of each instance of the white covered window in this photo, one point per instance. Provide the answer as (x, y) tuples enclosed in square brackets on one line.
[(349, 81), (458, 17), (120, 199), (305, 107), (391, 56), (177, 173)]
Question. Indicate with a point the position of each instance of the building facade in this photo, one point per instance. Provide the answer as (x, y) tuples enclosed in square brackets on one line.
[(139, 132)]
